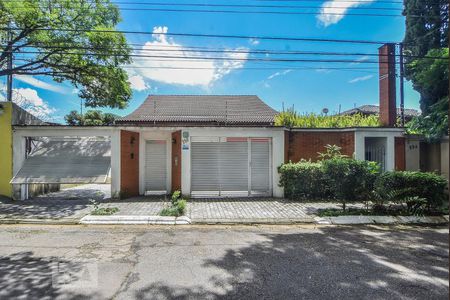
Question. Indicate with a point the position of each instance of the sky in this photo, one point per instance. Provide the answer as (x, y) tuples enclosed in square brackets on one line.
[(308, 86)]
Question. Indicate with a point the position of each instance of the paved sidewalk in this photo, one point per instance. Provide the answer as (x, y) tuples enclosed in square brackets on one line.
[(254, 210), (70, 205)]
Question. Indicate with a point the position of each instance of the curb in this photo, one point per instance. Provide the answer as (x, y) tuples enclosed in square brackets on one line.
[(361, 220), (268, 221), (135, 220), (63, 221)]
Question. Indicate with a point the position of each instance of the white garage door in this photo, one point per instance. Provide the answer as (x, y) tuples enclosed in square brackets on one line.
[(66, 160), (230, 167), (156, 167)]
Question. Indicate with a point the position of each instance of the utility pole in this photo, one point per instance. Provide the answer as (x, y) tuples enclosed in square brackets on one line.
[(402, 92), (9, 66)]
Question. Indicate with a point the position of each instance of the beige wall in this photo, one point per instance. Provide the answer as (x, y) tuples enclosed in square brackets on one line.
[(412, 154)]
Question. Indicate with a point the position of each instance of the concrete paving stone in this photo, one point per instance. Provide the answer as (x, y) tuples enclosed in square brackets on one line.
[(384, 219), (344, 220)]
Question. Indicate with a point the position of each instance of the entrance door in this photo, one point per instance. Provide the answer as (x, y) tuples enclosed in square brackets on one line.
[(260, 166), (155, 167)]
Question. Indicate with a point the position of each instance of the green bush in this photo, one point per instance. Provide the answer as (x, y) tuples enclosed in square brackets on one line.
[(350, 180), (412, 188), (177, 206), (303, 180)]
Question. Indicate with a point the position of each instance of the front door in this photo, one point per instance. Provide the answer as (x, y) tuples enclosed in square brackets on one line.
[(156, 167)]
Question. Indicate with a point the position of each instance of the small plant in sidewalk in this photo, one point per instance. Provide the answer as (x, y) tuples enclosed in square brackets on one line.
[(177, 206), (102, 211)]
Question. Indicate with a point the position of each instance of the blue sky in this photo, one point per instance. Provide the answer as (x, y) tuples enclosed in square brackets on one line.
[(308, 90)]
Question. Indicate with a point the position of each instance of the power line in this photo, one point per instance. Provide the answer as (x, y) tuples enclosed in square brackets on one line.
[(206, 57), (264, 12), (184, 49), (248, 5), (272, 38)]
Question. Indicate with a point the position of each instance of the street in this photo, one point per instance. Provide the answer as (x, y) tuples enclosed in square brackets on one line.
[(223, 262)]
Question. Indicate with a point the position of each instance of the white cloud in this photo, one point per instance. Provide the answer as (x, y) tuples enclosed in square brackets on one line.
[(362, 78), (41, 84), (333, 11), (276, 74), (360, 60), (253, 41), (138, 83), (183, 70), (29, 100)]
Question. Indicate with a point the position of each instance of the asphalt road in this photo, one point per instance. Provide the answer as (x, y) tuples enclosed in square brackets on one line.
[(267, 262)]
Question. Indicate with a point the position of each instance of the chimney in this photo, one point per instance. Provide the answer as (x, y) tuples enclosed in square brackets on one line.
[(388, 107)]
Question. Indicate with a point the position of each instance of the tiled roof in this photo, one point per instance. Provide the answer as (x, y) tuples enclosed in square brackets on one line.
[(201, 109), (375, 109)]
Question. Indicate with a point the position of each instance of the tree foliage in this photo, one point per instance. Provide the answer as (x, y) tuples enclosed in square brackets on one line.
[(68, 40), (291, 118), (90, 118), (427, 36)]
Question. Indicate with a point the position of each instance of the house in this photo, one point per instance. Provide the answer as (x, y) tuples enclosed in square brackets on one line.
[(368, 110), (203, 145)]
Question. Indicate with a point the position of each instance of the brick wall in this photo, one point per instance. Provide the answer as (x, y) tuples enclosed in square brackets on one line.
[(176, 160), (129, 163), (400, 162), (388, 111), (306, 144)]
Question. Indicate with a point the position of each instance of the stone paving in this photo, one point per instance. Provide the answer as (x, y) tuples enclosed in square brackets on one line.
[(250, 210), (74, 203)]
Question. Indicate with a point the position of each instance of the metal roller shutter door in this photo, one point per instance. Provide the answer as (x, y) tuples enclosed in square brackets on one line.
[(155, 166), (260, 166), (233, 167), (205, 168)]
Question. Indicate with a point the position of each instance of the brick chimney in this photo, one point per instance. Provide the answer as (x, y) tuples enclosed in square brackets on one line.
[(388, 107)]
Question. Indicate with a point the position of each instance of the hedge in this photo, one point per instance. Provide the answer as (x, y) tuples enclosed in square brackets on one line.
[(401, 185), (303, 180), (350, 180)]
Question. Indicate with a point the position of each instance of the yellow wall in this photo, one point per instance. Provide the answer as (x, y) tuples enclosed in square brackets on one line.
[(6, 149)]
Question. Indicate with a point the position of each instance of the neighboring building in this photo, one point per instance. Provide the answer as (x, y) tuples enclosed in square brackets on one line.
[(367, 110), (11, 115)]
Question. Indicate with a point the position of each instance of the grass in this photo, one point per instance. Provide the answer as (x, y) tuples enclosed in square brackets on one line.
[(104, 211)]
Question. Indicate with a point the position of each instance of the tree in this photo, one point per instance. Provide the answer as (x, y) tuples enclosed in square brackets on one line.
[(68, 40), (90, 118), (427, 35)]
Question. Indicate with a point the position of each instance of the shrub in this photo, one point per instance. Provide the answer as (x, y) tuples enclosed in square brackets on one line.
[(291, 118), (350, 180), (304, 180), (175, 196), (177, 206), (412, 187)]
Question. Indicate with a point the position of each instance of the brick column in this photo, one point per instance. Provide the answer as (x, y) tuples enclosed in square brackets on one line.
[(388, 107), (129, 163), (176, 160)]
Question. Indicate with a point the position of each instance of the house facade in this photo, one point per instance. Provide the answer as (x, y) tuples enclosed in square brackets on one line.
[(205, 146)]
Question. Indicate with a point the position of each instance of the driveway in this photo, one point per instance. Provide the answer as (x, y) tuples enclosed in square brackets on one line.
[(74, 203), (218, 262)]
